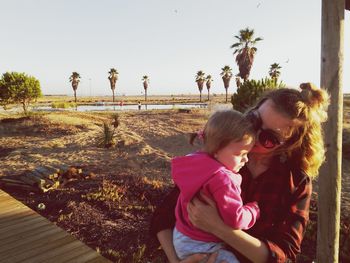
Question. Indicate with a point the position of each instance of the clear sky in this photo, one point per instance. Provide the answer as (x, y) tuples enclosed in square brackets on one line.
[(167, 40)]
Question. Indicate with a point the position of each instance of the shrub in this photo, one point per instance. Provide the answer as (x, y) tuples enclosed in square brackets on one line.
[(250, 91), (63, 105), (18, 88), (108, 139)]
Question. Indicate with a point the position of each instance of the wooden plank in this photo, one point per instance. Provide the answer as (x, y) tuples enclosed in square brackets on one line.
[(10, 209), (56, 250), (24, 240), (91, 255), (37, 249), (5, 198), (8, 204), (21, 220), (26, 236), (14, 215), (43, 242), (76, 254), (30, 232), (96, 260), (3, 193), (15, 230)]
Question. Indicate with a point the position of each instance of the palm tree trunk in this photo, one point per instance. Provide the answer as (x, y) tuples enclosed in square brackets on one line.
[(226, 95), (113, 95), (75, 96), (200, 96), (208, 94), (145, 94)]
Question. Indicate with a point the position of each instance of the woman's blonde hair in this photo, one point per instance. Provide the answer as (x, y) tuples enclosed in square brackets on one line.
[(223, 127), (305, 146)]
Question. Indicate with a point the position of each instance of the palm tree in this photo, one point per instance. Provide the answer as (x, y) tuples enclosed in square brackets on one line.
[(200, 78), (245, 51), (145, 80), (274, 71), (75, 79), (238, 81), (226, 75), (113, 77), (209, 80)]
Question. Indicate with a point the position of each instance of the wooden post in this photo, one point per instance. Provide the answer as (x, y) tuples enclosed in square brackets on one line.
[(330, 174)]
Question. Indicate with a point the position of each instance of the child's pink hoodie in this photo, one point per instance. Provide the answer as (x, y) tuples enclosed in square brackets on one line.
[(199, 171)]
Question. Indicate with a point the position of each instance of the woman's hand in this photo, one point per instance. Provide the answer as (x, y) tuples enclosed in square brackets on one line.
[(204, 216)]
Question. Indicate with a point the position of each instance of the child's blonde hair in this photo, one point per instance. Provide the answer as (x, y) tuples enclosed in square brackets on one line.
[(223, 127)]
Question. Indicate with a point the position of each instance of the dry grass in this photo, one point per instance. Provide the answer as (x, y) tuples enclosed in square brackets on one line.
[(65, 119)]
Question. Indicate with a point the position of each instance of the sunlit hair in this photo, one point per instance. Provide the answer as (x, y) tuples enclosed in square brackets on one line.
[(223, 127), (308, 108)]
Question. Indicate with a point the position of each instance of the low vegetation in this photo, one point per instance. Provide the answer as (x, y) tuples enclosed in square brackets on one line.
[(63, 105), (249, 91)]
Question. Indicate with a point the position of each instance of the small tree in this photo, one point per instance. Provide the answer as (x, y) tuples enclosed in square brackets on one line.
[(226, 75), (145, 81), (19, 88), (75, 79), (113, 77), (250, 90), (200, 78), (208, 82)]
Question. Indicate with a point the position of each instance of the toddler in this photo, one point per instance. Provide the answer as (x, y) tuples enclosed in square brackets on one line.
[(227, 137)]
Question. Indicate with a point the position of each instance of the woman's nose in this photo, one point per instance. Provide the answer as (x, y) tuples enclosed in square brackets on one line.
[(245, 158)]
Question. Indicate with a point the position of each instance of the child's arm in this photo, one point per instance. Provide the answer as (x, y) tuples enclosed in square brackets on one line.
[(226, 194)]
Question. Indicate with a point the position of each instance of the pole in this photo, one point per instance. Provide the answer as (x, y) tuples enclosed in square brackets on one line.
[(90, 86), (330, 174)]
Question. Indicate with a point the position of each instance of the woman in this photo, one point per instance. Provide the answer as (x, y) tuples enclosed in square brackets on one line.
[(287, 155)]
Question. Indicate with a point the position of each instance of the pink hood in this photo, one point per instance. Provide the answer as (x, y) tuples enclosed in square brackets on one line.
[(190, 172)]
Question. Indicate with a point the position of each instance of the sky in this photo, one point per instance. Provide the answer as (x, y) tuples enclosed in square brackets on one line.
[(167, 40)]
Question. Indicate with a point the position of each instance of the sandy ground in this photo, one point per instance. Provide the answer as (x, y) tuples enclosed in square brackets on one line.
[(138, 166)]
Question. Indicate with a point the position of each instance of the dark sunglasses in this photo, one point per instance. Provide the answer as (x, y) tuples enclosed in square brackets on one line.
[(266, 137)]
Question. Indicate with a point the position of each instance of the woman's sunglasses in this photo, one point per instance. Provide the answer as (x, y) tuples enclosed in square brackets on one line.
[(266, 137)]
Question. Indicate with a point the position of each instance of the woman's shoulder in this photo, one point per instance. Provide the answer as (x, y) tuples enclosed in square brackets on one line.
[(293, 172)]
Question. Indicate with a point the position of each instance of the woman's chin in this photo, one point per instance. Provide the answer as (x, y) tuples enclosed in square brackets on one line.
[(257, 148)]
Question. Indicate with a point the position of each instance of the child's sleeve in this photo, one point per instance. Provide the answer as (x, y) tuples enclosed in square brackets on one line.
[(227, 195)]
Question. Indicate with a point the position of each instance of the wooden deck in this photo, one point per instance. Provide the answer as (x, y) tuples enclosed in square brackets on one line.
[(26, 236)]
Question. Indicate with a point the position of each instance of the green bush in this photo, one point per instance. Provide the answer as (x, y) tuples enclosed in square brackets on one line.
[(63, 105), (18, 88), (250, 91)]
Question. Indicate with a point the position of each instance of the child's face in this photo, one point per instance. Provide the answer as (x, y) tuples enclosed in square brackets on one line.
[(234, 155)]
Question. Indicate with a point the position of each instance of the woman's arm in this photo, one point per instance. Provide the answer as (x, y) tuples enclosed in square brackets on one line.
[(249, 246), (162, 224), (165, 238)]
